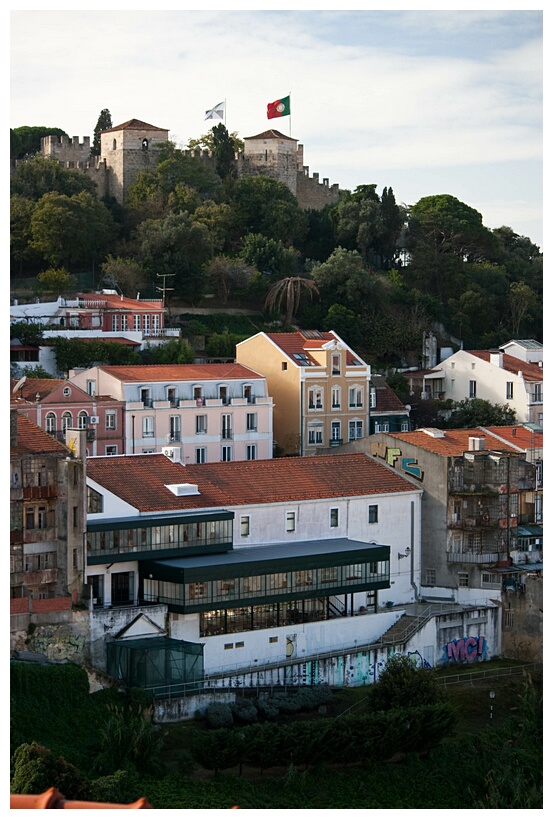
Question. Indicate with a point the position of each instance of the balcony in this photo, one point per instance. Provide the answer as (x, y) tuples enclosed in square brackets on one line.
[(226, 435), (475, 557), (174, 437), (336, 442), (39, 492)]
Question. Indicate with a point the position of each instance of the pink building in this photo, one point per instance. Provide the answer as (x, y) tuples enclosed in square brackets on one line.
[(204, 413), (56, 405)]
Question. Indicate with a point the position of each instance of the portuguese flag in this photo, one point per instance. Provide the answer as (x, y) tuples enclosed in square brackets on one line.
[(279, 108)]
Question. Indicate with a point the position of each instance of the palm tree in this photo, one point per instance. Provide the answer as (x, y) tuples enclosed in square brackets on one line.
[(289, 292)]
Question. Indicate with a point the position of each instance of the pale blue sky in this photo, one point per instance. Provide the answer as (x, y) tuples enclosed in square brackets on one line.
[(426, 102)]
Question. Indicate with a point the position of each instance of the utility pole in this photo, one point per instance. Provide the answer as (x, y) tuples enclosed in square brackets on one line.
[(163, 289)]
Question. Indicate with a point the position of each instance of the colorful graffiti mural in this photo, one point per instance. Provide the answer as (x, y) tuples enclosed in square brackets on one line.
[(465, 650), (392, 454)]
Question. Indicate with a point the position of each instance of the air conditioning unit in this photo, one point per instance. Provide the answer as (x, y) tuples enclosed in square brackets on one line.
[(93, 419), (169, 452)]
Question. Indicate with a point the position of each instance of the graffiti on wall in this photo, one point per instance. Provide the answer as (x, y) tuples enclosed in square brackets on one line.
[(416, 658), (465, 650), (393, 454)]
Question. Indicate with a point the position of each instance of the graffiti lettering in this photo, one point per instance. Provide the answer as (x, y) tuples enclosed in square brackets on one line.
[(467, 649), (378, 449), (409, 465), (392, 455)]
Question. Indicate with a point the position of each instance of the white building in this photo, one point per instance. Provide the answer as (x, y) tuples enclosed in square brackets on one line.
[(257, 561), (205, 412), (514, 378)]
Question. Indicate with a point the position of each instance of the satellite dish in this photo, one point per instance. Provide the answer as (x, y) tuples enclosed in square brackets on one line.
[(19, 384)]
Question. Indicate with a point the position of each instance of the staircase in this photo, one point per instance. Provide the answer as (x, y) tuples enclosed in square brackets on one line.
[(404, 628)]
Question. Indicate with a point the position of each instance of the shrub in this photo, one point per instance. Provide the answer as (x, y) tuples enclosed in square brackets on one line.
[(129, 738), (403, 685), (244, 710), (120, 787), (219, 715), (35, 769)]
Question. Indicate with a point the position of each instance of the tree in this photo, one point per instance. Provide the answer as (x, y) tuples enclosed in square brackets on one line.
[(226, 276), (39, 176), (521, 298), (224, 151), (104, 122), (56, 279), (345, 279), (289, 292), (269, 256), (36, 768), (264, 205), (476, 412), (207, 141), (173, 351), (449, 226), (403, 685), (21, 252), (72, 230), (26, 139), (125, 274), (177, 246), (27, 332)]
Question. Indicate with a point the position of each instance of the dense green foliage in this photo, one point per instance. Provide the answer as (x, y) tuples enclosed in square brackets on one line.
[(25, 140), (386, 273), (104, 122), (59, 731)]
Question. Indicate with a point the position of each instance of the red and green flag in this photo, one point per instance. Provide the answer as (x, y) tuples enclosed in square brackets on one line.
[(279, 108)]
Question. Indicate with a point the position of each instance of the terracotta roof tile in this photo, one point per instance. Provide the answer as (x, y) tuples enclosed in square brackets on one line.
[(518, 435), (291, 343), (134, 125), (32, 440), (386, 399), (272, 133), (179, 372), (115, 300), (530, 372), (142, 481), (454, 442), (32, 386)]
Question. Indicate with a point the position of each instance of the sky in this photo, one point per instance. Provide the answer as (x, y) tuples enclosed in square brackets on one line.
[(426, 102)]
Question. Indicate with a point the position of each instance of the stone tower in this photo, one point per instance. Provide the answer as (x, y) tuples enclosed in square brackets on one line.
[(128, 149), (274, 154)]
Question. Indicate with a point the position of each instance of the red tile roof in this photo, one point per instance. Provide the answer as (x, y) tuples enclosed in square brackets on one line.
[(297, 342), (272, 133), (530, 372), (124, 303), (32, 440), (386, 399), (53, 799), (32, 386), (180, 372), (518, 435), (454, 442), (141, 480), (134, 125)]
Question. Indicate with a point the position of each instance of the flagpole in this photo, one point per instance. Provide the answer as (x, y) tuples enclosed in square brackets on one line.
[(290, 121), (225, 112)]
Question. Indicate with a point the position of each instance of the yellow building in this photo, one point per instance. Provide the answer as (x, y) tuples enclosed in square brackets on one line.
[(320, 388)]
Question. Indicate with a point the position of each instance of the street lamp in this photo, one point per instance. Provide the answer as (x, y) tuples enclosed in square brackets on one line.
[(492, 697), (407, 553)]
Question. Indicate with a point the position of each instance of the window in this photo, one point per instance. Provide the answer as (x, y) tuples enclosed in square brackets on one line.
[(463, 580), (226, 426), (473, 366), (50, 422), (355, 430), (75, 561), (155, 323), (91, 387), (146, 320), (145, 397), (537, 394), (508, 619), (172, 396), (201, 424), (115, 323), (251, 421), (385, 426), (66, 421), (174, 427), (67, 391), (148, 426), (315, 398), (284, 365), (376, 426), (472, 389), (489, 579), (42, 517), (244, 525), (223, 394), (334, 518), (509, 390), (335, 432), (430, 577), (94, 501), (251, 452), (124, 322), (201, 454), (111, 420), (247, 393), (111, 450), (136, 322), (355, 397), (29, 518), (82, 420), (226, 453), (336, 363), (315, 434), (290, 521), (336, 397), (373, 397), (373, 513), (452, 365), (405, 426)]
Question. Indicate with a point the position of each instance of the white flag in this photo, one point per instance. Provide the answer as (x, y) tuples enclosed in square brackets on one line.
[(216, 113)]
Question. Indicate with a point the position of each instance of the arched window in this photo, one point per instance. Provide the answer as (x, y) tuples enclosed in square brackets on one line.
[(66, 420), (51, 422), (82, 420), (114, 146)]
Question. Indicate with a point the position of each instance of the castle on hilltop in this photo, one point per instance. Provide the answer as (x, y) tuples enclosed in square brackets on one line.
[(130, 148)]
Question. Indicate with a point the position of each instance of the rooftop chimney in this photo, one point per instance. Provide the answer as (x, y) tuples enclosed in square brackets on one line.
[(496, 358), (476, 444)]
